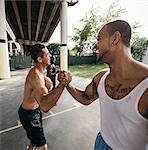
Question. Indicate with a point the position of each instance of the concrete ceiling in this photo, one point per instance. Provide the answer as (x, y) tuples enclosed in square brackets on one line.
[(33, 20)]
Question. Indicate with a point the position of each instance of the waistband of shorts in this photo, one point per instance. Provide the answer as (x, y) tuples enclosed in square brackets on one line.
[(29, 110)]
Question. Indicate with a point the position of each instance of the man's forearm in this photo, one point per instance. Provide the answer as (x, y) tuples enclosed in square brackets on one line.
[(52, 97), (79, 95)]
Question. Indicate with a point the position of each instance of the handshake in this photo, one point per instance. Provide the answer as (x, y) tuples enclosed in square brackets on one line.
[(64, 77)]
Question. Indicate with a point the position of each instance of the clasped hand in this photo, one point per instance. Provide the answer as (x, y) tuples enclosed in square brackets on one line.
[(64, 77)]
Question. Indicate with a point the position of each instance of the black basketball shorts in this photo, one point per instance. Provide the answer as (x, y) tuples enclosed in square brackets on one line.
[(31, 120)]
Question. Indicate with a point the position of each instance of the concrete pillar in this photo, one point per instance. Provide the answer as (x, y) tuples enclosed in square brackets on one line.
[(63, 48), (4, 56), (15, 51), (10, 48), (22, 49)]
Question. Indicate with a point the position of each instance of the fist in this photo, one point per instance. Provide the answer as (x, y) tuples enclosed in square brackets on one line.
[(64, 77)]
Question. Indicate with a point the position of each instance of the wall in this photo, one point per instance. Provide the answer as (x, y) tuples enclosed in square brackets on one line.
[(78, 60), (20, 62)]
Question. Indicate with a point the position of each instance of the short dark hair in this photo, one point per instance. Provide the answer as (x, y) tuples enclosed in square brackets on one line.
[(36, 51), (123, 27)]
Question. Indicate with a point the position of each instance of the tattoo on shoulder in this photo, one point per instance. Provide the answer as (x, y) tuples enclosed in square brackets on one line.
[(93, 93), (86, 96), (94, 86)]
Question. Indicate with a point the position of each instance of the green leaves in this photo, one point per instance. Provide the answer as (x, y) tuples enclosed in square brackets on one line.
[(85, 35), (54, 48), (139, 47)]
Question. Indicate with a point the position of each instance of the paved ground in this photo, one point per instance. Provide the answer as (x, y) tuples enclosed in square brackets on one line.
[(67, 126)]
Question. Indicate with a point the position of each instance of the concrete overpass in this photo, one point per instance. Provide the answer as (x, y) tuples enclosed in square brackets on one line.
[(28, 22)]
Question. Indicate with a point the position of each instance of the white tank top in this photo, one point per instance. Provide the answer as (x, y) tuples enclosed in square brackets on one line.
[(122, 126)]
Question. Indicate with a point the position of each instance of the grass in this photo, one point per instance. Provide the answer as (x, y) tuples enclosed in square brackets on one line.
[(86, 71)]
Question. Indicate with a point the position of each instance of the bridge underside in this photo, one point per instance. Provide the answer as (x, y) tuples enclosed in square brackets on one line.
[(33, 20)]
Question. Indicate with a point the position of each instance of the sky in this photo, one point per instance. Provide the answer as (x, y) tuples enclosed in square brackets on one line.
[(136, 10)]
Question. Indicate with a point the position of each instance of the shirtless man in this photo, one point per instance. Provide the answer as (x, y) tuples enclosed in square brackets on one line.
[(122, 91), (38, 97)]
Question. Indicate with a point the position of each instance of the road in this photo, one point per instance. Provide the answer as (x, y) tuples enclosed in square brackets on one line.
[(67, 126)]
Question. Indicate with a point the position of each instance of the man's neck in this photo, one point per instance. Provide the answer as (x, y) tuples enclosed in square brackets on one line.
[(40, 67), (121, 66)]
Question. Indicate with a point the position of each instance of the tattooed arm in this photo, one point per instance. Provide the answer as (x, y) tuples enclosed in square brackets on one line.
[(85, 97), (90, 93)]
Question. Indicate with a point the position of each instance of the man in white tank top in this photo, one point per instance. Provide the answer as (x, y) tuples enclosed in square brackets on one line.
[(122, 91)]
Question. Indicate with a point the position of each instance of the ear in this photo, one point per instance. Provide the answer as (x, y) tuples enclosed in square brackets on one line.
[(116, 38), (39, 59)]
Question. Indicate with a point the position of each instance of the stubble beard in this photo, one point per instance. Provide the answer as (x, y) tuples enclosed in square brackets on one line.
[(100, 58)]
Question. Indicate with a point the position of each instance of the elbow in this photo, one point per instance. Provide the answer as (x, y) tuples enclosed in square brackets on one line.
[(45, 109), (87, 102), (84, 102)]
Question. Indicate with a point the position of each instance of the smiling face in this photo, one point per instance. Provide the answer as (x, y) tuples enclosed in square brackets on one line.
[(44, 58), (112, 41), (103, 44)]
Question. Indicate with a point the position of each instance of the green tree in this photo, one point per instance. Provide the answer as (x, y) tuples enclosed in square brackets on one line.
[(139, 47), (85, 35), (54, 48)]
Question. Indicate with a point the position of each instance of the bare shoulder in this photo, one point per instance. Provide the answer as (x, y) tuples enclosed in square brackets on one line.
[(144, 68), (99, 75), (140, 69), (142, 73), (33, 76), (143, 104), (31, 73)]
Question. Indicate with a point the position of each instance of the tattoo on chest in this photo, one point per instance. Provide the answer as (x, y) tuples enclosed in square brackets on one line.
[(117, 92)]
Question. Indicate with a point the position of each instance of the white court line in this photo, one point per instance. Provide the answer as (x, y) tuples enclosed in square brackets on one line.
[(61, 112), (9, 129), (52, 114)]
